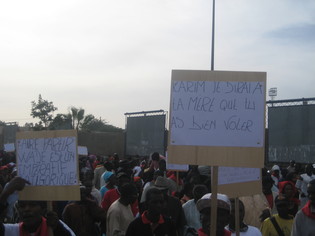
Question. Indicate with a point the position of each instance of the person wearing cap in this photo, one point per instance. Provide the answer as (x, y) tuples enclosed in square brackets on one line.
[(113, 194), (173, 207), (223, 214), (126, 167), (304, 221), (302, 182), (281, 223), (109, 167), (119, 214), (152, 221), (150, 184), (110, 182)]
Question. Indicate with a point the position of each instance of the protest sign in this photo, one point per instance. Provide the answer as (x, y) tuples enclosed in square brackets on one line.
[(9, 147), (239, 181), (217, 118), (175, 167), (48, 160), (82, 150)]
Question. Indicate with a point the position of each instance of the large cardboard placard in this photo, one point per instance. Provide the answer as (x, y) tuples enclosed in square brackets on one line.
[(217, 118), (48, 160)]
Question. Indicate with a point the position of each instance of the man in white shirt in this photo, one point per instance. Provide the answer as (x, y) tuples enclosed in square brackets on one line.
[(304, 221), (119, 214), (191, 212), (302, 182)]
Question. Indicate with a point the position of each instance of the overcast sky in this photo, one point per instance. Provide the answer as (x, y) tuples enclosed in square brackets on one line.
[(113, 57)]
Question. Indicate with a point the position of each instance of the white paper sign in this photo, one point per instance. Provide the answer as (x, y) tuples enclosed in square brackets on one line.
[(48, 161), (82, 150), (9, 147), (209, 113), (232, 175), (177, 167)]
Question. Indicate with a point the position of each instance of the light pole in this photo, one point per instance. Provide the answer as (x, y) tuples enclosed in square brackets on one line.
[(212, 43)]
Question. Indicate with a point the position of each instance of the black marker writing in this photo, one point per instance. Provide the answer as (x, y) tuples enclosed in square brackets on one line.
[(189, 86), (203, 125), (228, 104), (178, 104), (249, 105), (235, 123), (201, 104), (177, 123)]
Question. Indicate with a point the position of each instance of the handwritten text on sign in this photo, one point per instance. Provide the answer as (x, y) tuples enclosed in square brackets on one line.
[(210, 113), (48, 161)]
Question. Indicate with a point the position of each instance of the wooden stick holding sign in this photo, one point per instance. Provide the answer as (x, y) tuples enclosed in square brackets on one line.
[(49, 206), (237, 216), (214, 200)]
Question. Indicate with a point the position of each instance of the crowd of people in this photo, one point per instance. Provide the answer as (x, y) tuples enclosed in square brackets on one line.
[(139, 196)]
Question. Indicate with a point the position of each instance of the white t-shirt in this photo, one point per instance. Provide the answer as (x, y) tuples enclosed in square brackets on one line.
[(302, 184), (136, 170), (97, 195), (251, 231), (118, 219), (192, 214)]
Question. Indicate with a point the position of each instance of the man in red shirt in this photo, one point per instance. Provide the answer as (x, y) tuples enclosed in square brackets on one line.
[(113, 194)]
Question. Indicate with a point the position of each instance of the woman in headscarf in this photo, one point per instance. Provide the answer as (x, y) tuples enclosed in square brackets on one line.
[(287, 190)]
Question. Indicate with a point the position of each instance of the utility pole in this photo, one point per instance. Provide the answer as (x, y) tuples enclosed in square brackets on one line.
[(212, 43)]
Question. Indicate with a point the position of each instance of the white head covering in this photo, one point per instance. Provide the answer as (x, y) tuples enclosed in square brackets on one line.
[(223, 202), (275, 167)]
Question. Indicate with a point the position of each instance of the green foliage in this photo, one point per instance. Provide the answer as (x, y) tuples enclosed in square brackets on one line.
[(43, 110), (61, 122), (75, 119), (77, 115), (35, 127)]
